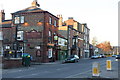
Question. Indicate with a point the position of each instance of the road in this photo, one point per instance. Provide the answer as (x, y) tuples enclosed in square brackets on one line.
[(82, 69)]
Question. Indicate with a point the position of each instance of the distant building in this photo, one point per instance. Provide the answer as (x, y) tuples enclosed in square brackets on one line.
[(116, 50), (6, 34), (72, 30), (62, 50), (1, 44), (86, 43)]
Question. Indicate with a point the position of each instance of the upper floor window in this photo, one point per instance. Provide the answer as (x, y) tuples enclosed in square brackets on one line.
[(22, 19), (50, 20), (17, 20), (50, 34), (55, 23)]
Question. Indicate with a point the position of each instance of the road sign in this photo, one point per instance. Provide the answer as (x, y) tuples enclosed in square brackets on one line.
[(95, 69), (108, 65)]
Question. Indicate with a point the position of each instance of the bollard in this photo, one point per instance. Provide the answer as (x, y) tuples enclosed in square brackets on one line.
[(96, 69), (108, 65)]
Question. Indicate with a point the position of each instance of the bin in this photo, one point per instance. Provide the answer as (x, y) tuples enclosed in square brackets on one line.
[(26, 61)]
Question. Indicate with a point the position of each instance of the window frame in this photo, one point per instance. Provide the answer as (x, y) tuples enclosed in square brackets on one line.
[(50, 20), (55, 23)]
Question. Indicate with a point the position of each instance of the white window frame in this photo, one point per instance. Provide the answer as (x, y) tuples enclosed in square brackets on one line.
[(22, 19), (50, 20), (50, 33), (17, 20), (50, 53), (20, 35), (55, 23)]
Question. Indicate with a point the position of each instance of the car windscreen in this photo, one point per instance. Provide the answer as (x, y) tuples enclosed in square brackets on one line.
[(72, 56)]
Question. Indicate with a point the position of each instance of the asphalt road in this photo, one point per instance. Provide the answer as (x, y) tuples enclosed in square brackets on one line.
[(82, 69)]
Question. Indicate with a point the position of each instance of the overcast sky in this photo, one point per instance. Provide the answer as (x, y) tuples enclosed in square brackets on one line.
[(101, 16)]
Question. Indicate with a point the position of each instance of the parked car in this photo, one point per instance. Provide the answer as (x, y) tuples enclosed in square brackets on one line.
[(99, 56), (94, 57), (103, 56), (71, 58), (118, 57), (114, 55)]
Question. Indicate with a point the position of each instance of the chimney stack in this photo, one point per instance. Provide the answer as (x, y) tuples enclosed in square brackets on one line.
[(60, 20), (2, 16)]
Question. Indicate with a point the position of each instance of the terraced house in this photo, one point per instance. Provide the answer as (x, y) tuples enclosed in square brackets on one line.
[(77, 35)]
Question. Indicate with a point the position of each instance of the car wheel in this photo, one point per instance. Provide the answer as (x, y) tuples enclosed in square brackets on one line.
[(75, 61)]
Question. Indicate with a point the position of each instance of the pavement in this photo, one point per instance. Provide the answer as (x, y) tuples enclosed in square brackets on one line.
[(38, 63)]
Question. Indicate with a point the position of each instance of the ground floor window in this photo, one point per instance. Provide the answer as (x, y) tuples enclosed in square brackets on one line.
[(50, 53)]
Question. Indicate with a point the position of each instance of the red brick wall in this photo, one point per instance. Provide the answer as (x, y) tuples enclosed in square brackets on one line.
[(32, 20), (8, 34), (7, 63)]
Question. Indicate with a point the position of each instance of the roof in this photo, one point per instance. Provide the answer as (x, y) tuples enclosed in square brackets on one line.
[(6, 23), (29, 9), (32, 9), (59, 35)]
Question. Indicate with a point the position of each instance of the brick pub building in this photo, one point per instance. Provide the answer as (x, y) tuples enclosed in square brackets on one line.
[(37, 33)]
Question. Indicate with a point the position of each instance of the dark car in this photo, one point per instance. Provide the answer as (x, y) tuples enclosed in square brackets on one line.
[(71, 58), (118, 57)]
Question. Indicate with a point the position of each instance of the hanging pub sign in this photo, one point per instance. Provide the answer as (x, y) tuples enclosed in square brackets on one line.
[(55, 38)]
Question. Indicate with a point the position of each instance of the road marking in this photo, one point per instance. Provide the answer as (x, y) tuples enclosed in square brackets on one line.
[(20, 77), (35, 74), (13, 71), (101, 63), (31, 74), (46, 72), (58, 69), (78, 74), (20, 70)]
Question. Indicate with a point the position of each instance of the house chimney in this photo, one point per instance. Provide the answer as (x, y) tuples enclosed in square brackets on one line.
[(60, 20), (2, 16), (35, 3), (70, 17)]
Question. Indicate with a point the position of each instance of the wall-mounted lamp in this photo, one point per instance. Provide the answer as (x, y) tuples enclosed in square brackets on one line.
[(25, 24), (40, 22)]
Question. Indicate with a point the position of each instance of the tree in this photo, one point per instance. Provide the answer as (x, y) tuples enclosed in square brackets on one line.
[(94, 41), (105, 46)]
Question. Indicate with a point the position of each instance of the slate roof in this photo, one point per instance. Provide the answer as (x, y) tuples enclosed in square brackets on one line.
[(29, 10), (6, 23), (32, 9)]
